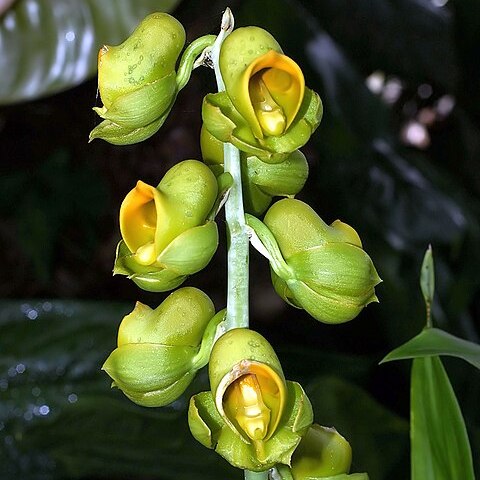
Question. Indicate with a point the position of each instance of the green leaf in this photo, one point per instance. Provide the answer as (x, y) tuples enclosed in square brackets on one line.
[(440, 447), (433, 341), (427, 277), (47, 47)]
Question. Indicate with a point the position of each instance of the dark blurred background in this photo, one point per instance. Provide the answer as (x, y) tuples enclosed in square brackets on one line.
[(397, 156)]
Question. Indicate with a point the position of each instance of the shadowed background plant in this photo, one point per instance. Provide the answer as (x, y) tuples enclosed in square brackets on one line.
[(396, 155)]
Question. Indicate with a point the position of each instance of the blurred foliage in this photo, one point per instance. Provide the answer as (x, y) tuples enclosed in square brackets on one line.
[(60, 200), (46, 50)]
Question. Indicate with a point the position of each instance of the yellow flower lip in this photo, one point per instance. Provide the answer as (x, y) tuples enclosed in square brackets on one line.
[(275, 82), (251, 399), (138, 221)]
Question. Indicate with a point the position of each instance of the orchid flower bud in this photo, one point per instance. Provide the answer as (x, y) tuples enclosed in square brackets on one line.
[(266, 110), (251, 416), (137, 81), (320, 268), (159, 351), (166, 234)]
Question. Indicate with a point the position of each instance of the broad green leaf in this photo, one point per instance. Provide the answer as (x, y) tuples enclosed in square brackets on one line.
[(439, 442), (427, 278), (433, 341), (47, 47)]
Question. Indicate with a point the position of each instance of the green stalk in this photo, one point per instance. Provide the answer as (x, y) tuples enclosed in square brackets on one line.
[(255, 475), (238, 249), (237, 257)]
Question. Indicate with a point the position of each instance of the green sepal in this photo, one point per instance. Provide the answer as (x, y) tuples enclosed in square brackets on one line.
[(151, 279), (226, 124), (209, 428), (162, 326), (142, 106), (120, 135), (188, 253), (156, 373), (191, 251), (148, 54), (327, 309), (165, 396), (337, 270), (310, 230), (189, 190)]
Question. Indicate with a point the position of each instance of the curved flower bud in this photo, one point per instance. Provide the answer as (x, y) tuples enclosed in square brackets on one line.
[(323, 452), (261, 181), (265, 110), (159, 351), (320, 268), (252, 416), (137, 80), (165, 231)]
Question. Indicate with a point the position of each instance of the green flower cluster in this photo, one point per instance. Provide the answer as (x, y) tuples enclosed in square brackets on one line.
[(252, 416)]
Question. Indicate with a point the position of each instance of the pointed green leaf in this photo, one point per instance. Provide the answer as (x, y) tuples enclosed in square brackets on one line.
[(427, 276), (439, 442), (433, 341)]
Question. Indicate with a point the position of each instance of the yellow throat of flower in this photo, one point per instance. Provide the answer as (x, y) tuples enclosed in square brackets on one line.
[(247, 408), (138, 222), (276, 87), (254, 403)]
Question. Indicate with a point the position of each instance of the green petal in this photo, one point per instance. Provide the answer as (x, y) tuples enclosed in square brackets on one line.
[(163, 396), (180, 320), (149, 278), (145, 367), (142, 106), (192, 250), (118, 135)]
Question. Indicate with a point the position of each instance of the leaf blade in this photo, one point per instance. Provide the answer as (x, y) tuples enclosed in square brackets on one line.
[(439, 443), (433, 341)]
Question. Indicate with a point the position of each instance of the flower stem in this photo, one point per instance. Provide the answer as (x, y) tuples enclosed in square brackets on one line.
[(238, 249), (237, 257), (256, 475)]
